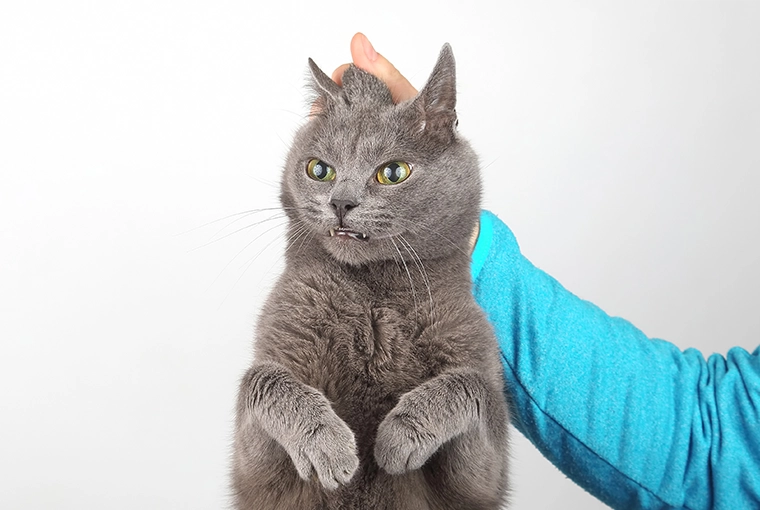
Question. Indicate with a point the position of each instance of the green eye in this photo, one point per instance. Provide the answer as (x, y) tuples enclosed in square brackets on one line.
[(319, 170), (394, 172)]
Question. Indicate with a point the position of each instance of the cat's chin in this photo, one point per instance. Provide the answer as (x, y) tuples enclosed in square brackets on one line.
[(350, 251), (353, 248)]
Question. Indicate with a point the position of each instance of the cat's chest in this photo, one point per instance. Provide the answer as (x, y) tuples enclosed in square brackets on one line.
[(365, 337), (368, 359), (368, 339)]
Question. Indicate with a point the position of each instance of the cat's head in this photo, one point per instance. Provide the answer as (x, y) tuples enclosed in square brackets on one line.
[(372, 180)]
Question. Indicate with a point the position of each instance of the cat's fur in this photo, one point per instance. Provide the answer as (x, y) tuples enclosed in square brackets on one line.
[(377, 382)]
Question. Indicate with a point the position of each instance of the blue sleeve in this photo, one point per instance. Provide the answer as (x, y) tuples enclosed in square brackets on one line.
[(634, 421)]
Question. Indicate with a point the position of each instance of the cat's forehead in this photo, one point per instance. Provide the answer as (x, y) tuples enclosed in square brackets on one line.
[(366, 135)]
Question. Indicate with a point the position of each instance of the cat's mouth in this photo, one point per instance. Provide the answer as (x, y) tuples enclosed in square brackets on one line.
[(345, 232)]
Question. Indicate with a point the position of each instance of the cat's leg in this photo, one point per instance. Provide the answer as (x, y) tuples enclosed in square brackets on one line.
[(296, 417), (463, 417)]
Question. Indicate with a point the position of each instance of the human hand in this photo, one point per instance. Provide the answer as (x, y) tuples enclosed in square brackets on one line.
[(365, 57)]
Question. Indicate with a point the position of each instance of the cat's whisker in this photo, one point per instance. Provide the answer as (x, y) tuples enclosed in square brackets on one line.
[(303, 240), (301, 234), (293, 238), (299, 115), (300, 226), (412, 225), (409, 275), (494, 160), (395, 259), (284, 143), (212, 238), (255, 224), (241, 251), (271, 184), (287, 240), (248, 263), (252, 260), (290, 239), (420, 268), (243, 213)]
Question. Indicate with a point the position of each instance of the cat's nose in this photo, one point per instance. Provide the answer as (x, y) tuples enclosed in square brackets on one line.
[(341, 207)]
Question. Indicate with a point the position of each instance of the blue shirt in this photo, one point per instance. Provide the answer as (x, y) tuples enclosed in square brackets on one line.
[(634, 421)]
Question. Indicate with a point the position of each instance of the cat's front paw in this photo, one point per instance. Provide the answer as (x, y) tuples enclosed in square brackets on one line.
[(329, 448), (403, 444)]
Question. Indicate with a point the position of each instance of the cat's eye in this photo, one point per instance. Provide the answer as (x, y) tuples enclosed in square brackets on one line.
[(319, 170), (394, 172)]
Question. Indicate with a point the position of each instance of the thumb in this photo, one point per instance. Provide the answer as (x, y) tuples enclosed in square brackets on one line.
[(365, 57)]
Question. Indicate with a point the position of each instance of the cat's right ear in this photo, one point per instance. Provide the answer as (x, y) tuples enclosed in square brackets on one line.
[(326, 91)]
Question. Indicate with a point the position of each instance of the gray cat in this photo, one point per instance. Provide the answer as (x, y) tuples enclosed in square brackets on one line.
[(377, 382)]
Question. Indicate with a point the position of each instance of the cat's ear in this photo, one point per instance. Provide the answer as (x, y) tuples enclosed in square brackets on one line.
[(435, 104), (326, 91)]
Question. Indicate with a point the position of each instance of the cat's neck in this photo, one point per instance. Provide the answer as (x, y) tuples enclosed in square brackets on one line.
[(450, 269)]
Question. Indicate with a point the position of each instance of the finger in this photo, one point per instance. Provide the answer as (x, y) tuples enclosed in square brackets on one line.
[(337, 75), (365, 57)]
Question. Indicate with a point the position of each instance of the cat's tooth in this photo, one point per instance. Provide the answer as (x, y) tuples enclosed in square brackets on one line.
[(332, 232)]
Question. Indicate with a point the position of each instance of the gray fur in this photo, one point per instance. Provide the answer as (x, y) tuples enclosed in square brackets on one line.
[(377, 382)]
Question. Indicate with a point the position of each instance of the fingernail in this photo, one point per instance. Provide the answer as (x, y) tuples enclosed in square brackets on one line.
[(369, 50)]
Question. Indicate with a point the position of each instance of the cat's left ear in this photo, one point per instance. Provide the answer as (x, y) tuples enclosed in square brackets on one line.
[(435, 104), (327, 91)]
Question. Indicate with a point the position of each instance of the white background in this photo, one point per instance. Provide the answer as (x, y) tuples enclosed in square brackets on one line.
[(619, 142)]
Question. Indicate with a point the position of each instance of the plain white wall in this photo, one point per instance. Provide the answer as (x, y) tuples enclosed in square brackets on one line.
[(619, 141)]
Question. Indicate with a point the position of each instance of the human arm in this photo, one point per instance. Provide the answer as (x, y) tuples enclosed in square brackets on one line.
[(636, 422)]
